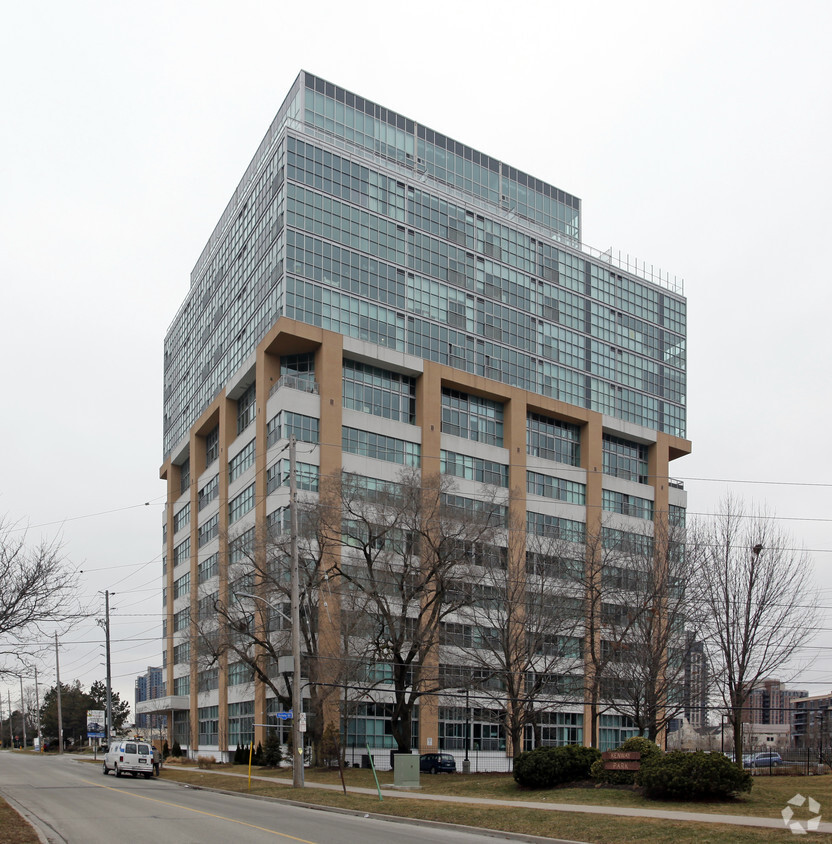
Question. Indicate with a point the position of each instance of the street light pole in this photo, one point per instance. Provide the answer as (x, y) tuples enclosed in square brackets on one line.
[(466, 761), (297, 699), (58, 688), (37, 710), (22, 712)]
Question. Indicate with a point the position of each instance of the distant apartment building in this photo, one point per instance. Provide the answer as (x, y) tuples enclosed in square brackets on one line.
[(695, 688), (772, 703), (812, 721), (149, 686)]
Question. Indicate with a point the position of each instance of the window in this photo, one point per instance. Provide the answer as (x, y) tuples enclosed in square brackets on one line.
[(637, 544), (208, 680), (208, 531), (212, 445), (286, 423), (627, 505), (676, 516), (184, 476), (487, 512), (241, 505), (182, 586), (182, 653), (182, 518), (625, 459), (209, 568), (246, 409), (557, 488), (240, 721), (209, 492), (240, 462), (298, 372), (473, 468), (542, 524), (380, 392), (181, 619), (241, 547), (379, 447), (240, 672), (553, 439), (182, 552), (306, 476), (472, 417), (182, 686), (209, 724)]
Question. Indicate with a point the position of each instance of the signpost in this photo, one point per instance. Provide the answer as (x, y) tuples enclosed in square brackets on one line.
[(621, 760)]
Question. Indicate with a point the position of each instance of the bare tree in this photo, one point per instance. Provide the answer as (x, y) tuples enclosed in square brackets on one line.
[(518, 633), (248, 623), (405, 554), (650, 611), (37, 590), (759, 600)]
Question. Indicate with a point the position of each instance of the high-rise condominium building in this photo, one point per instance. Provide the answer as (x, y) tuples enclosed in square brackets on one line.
[(396, 299)]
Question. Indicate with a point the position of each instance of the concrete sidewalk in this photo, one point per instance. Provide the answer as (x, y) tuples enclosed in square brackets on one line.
[(658, 814)]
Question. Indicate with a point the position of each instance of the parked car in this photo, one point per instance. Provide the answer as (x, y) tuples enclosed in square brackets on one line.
[(766, 759), (437, 763), (130, 757)]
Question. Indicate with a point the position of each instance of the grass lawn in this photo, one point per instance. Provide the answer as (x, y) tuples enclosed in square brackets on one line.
[(768, 800), (13, 828)]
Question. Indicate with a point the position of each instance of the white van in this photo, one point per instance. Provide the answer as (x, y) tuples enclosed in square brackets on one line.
[(130, 756)]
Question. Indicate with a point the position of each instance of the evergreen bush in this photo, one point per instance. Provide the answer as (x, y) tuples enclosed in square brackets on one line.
[(176, 750), (272, 751), (693, 776), (546, 767), (165, 750)]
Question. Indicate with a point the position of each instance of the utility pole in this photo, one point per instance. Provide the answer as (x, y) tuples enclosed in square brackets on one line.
[(37, 710), (60, 711), (109, 687), (297, 697), (1, 723), (9, 699), (22, 712)]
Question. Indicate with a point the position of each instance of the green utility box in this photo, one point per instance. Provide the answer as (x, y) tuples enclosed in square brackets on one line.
[(406, 770)]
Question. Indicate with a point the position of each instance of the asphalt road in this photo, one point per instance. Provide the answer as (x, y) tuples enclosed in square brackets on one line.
[(73, 802)]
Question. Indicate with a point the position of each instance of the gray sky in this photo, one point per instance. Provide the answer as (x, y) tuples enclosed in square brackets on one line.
[(696, 134)]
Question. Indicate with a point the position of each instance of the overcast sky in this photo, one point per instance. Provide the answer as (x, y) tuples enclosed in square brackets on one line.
[(696, 134)]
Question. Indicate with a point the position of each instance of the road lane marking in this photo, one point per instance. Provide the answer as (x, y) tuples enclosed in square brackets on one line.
[(198, 811)]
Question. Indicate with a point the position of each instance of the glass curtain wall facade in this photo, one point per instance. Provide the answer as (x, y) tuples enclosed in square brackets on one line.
[(442, 307)]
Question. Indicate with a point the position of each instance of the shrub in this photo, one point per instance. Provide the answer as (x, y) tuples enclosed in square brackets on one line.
[(647, 749), (272, 752), (176, 750), (207, 762), (165, 750), (545, 767), (257, 756), (693, 776)]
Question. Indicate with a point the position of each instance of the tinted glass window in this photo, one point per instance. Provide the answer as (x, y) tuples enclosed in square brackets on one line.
[(144, 750), (129, 748)]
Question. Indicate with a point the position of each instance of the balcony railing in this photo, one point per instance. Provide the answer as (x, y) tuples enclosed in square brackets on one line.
[(295, 382)]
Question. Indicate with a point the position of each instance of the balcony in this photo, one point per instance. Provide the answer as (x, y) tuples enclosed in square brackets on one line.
[(304, 383)]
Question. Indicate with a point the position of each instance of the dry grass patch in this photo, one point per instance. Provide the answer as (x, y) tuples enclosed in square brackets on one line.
[(597, 829), (13, 828)]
